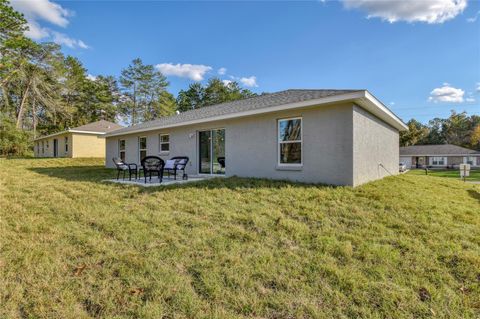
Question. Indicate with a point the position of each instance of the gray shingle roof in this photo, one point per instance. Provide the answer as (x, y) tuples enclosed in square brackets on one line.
[(253, 103), (99, 126), (440, 149)]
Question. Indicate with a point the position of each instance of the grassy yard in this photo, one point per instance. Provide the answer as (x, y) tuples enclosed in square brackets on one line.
[(74, 247), (451, 173)]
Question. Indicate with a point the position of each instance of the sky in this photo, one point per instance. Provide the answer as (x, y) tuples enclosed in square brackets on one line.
[(421, 58)]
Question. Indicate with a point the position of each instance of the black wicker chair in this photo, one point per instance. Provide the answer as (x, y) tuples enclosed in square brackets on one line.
[(152, 164), (180, 164), (221, 161), (124, 167)]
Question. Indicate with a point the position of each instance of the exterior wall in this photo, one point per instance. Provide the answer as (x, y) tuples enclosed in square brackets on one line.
[(251, 145), (87, 145), (375, 147), (48, 151)]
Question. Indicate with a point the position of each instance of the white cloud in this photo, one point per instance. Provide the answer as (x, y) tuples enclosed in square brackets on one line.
[(194, 72), (392, 103), (474, 18), (222, 71), (478, 87), (429, 11), (226, 82), (63, 39), (447, 93), (36, 32), (45, 10), (470, 99), (91, 77), (250, 81)]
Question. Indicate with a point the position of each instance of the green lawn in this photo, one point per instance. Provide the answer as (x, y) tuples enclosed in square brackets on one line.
[(451, 173), (74, 247)]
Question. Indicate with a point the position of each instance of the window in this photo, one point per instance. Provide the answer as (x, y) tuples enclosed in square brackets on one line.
[(43, 147), (472, 160), (47, 143), (164, 143), (66, 144), (142, 147), (121, 149), (290, 141), (436, 160)]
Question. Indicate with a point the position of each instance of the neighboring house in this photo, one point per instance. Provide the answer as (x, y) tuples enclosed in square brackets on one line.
[(83, 141), (340, 137), (438, 156)]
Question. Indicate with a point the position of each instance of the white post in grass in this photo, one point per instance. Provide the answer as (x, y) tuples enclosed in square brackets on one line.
[(464, 171)]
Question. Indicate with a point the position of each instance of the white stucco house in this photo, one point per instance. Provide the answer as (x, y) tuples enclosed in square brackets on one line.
[(339, 137)]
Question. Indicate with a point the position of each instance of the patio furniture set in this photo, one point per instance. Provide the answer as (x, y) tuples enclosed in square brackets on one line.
[(151, 166)]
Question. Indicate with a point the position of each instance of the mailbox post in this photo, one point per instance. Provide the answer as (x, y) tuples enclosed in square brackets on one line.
[(464, 171)]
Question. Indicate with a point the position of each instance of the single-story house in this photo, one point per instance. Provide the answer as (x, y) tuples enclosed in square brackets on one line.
[(438, 156), (83, 141), (339, 137)]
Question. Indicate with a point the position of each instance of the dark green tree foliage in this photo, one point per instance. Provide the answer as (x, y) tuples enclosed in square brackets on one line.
[(214, 92), (458, 129), (143, 89)]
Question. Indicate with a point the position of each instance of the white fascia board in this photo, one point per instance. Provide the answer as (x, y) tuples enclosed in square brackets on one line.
[(68, 131), (359, 97)]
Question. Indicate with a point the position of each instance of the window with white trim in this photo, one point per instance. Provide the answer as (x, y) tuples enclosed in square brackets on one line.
[(121, 149), (290, 141), (66, 144), (164, 143), (438, 160), (472, 160), (142, 147)]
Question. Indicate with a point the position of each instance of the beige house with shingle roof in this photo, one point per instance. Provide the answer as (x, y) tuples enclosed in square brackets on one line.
[(83, 141), (438, 156)]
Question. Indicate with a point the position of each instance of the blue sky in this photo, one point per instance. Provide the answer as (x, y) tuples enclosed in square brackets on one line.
[(421, 58)]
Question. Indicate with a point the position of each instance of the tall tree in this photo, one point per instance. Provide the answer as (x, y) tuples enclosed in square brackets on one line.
[(416, 134), (141, 87)]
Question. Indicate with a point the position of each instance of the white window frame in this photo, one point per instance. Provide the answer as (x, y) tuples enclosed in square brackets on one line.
[(279, 142), (434, 159), (120, 151), (473, 160), (160, 143), (142, 149), (66, 144)]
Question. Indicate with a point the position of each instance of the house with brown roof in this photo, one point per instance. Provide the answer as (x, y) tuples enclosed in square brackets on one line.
[(83, 141), (438, 156)]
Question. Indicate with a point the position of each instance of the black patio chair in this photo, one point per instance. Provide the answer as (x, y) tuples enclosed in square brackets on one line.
[(221, 161), (153, 164), (123, 167), (179, 164)]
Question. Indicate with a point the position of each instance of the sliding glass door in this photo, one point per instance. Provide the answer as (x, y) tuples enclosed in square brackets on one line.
[(211, 150)]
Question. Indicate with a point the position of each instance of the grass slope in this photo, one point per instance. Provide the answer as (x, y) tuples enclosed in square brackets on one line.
[(74, 247)]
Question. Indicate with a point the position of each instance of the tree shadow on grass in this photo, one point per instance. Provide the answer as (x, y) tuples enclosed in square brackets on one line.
[(474, 194), (98, 174), (77, 173)]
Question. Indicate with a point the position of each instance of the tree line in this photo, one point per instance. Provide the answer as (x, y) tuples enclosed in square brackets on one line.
[(459, 129), (43, 91)]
